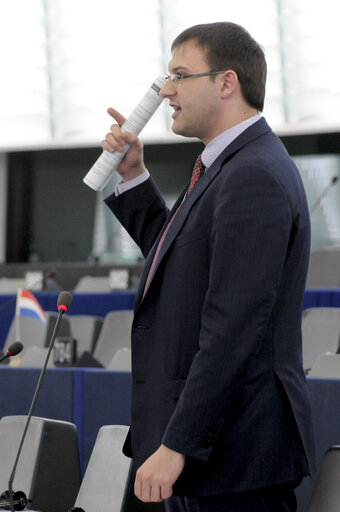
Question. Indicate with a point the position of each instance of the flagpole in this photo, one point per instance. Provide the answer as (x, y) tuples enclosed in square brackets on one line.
[(17, 316)]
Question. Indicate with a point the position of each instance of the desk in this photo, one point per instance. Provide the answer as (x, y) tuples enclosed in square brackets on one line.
[(91, 397), (322, 297), (87, 397)]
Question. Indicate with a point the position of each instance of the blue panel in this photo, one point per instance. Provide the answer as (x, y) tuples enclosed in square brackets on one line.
[(325, 400), (318, 297), (107, 402), (17, 386)]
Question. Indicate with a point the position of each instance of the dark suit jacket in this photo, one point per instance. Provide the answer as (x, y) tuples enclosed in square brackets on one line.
[(216, 340)]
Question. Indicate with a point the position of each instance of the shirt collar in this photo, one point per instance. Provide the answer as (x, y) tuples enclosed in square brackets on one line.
[(215, 147)]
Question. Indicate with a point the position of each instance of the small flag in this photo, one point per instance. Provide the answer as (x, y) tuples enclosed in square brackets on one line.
[(27, 305)]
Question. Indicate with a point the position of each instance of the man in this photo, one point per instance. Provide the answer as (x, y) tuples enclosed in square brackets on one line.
[(220, 414)]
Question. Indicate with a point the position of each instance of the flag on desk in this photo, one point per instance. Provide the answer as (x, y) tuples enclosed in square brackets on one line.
[(27, 305)]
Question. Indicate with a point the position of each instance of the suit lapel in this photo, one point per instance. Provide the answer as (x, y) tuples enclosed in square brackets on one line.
[(150, 256), (254, 131)]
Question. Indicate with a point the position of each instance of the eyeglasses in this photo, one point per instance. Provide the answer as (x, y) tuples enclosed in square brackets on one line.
[(178, 77)]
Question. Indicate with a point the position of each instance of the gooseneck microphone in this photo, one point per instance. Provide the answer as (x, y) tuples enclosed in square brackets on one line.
[(64, 302), (323, 194), (13, 350)]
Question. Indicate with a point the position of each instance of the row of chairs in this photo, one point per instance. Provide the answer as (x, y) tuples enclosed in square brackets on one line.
[(320, 339), (323, 272), (48, 471), (106, 339), (86, 284)]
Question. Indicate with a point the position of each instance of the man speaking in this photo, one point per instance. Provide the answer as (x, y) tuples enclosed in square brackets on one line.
[(220, 413)]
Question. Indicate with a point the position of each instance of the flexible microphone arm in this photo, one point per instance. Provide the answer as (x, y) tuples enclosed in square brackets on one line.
[(64, 302), (322, 195)]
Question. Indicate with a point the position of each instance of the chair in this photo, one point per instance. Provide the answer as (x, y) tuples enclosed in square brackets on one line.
[(324, 269), (326, 493), (115, 334), (85, 329), (10, 284), (93, 284), (34, 357), (106, 479), (121, 361), (48, 470), (35, 334), (320, 333), (326, 366)]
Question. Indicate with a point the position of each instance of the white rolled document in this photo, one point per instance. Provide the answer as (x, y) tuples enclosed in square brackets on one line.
[(102, 170)]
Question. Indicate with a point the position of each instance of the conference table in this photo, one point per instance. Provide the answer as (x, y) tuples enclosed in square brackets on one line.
[(91, 397)]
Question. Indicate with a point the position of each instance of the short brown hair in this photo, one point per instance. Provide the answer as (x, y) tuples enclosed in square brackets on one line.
[(230, 46)]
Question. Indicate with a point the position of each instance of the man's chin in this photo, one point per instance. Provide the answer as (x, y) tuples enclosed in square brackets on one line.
[(181, 130)]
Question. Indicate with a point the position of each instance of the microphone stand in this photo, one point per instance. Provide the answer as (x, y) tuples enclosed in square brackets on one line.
[(11, 478)]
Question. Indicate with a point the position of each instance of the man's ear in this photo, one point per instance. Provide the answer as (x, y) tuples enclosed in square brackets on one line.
[(229, 82)]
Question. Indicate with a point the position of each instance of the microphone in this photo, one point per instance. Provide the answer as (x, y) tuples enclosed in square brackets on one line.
[(13, 350), (323, 193), (64, 302)]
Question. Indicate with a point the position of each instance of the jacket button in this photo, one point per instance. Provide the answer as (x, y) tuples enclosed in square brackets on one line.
[(208, 440)]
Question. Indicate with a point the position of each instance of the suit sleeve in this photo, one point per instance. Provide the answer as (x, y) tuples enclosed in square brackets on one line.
[(249, 240), (142, 212)]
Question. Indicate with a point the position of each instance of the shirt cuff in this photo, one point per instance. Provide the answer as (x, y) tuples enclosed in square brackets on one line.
[(124, 186)]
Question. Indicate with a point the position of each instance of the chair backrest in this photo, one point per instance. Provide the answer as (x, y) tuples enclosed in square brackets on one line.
[(10, 284), (326, 493), (91, 284), (32, 333), (34, 357), (85, 329), (320, 333), (48, 470), (324, 269), (64, 326), (106, 479), (115, 334), (121, 361), (35, 334), (326, 366)]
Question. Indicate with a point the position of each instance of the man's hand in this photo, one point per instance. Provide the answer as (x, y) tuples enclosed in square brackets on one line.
[(132, 164), (155, 478)]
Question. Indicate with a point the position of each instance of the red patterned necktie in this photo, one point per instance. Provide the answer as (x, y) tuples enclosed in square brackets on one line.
[(197, 173)]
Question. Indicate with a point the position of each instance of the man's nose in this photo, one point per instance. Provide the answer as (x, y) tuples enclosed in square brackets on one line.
[(168, 89)]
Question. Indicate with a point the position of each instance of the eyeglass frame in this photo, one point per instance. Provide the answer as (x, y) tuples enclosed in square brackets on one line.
[(178, 77)]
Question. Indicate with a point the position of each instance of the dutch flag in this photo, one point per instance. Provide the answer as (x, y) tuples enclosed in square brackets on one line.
[(27, 305)]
